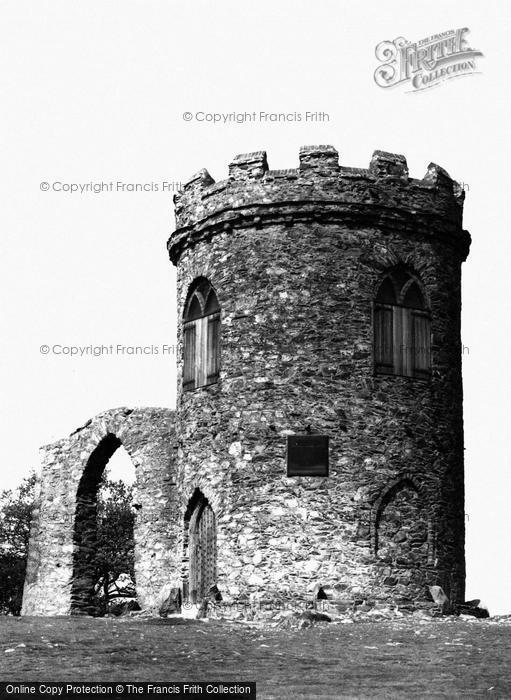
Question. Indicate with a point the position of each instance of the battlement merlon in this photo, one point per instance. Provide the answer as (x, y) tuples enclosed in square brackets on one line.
[(319, 190)]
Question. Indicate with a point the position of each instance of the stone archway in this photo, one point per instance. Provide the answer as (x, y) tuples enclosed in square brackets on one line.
[(61, 537), (401, 529), (200, 547), (85, 525), (403, 540)]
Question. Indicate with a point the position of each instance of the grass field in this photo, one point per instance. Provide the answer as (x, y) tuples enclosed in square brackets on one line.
[(398, 659)]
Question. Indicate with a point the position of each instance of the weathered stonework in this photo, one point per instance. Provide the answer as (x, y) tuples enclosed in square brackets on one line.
[(75, 464), (295, 258)]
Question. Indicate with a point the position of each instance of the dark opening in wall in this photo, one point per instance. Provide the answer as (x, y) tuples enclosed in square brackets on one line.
[(85, 535)]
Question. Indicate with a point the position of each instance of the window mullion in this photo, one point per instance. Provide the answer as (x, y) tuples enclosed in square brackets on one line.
[(198, 352), (204, 351), (397, 340)]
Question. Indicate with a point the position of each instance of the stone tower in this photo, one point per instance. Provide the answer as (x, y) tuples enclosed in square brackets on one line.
[(317, 441), (319, 415)]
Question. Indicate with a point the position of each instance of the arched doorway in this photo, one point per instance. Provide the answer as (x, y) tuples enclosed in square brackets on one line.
[(88, 566), (200, 542)]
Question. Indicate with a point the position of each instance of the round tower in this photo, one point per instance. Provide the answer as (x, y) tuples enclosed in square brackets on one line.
[(319, 414)]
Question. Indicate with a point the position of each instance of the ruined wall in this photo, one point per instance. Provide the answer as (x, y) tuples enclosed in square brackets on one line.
[(70, 469), (295, 257)]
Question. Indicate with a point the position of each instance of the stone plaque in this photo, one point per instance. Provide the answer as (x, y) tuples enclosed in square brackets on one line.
[(307, 455)]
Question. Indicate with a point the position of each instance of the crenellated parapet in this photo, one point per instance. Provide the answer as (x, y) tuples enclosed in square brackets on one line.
[(382, 195)]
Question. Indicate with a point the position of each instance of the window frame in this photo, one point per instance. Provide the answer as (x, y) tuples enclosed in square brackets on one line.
[(402, 329), (201, 356)]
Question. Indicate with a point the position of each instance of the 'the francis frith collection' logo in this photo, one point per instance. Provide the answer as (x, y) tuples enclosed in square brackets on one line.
[(427, 62)]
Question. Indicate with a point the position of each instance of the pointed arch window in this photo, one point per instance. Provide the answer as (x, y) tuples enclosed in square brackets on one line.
[(201, 336), (402, 327)]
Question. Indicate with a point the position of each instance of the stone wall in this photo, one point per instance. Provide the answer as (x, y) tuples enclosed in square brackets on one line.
[(296, 257), (56, 580)]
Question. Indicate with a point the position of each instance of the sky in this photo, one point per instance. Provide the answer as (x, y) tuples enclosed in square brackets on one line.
[(97, 92)]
